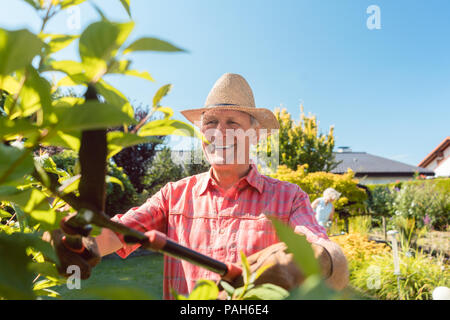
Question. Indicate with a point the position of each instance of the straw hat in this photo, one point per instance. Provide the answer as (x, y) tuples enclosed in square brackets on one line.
[(232, 92)]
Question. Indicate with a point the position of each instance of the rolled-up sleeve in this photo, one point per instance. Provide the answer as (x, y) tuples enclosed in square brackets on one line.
[(152, 215), (303, 220)]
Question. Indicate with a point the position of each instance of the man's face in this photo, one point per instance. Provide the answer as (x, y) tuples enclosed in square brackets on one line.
[(230, 133)]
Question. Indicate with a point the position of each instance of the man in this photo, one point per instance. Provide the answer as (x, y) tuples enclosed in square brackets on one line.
[(224, 211)]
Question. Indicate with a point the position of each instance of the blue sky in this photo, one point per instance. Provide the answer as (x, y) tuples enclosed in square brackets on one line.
[(386, 91)]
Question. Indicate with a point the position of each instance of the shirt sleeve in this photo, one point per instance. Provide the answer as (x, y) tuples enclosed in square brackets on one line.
[(152, 215), (303, 220)]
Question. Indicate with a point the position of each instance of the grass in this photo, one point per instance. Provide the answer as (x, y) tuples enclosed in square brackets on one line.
[(144, 273)]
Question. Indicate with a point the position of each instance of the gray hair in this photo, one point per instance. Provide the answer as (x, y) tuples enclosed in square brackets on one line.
[(331, 193)]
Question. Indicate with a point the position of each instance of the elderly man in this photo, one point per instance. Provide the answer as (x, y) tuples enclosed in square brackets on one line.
[(224, 211)]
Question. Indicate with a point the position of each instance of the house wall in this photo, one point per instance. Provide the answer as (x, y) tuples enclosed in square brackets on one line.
[(442, 168)]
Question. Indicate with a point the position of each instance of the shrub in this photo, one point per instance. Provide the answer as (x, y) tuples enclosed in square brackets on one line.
[(314, 184), (119, 197), (372, 270), (162, 171), (424, 203)]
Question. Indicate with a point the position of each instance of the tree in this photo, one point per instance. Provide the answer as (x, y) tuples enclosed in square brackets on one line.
[(300, 143), (136, 159), (33, 113)]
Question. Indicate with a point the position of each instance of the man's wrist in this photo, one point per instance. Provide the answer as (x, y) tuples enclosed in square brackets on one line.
[(324, 259)]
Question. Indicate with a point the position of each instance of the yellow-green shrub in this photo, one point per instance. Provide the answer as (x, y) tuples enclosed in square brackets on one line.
[(372, 270), (315, 183)]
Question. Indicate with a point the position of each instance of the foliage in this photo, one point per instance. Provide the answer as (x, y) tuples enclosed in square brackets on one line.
[(120, 193), (162, 171), (381, 201), (300, 143), (423, 203), (372, 270), (33, 115), (360, 224), (358, 248), (314, 184), (136, 159)]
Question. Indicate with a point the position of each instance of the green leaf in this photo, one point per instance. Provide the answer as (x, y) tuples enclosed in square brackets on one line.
[(126, 5), (99, 43), (110, 292), (35, 4), (140, 74), (266, 291), (169, 127), (176, 295), (15, 278), (15, 275), (118, 140), (47, 219), (122, 67), (314, 288), (299, 247), (71, 68), (161, 93), (168, 112), (64, 4), (204, 290), (227, 287), (66, 139), (110, 179), (246, 268), (12, 128), (58, 41), (35, 94), (17, 50), (5, 214), (15, 164), (151, 44), (115, 97), (44, 269), (90, 116)]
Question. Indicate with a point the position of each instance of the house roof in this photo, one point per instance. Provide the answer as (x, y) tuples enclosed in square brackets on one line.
[(435, 153), (363, 163)]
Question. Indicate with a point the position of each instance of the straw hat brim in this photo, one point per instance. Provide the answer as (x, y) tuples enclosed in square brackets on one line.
[(265, 117)]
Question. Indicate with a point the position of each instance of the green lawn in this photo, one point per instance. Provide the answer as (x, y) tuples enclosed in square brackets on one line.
[(143, 273)]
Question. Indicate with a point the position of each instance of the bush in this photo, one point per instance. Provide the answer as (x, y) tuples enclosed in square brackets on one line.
[(424, 203), (372, 270), (119, 197), (162, 171), (314, 184)]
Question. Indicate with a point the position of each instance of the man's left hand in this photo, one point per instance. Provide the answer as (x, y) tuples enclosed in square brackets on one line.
[(283, 270)]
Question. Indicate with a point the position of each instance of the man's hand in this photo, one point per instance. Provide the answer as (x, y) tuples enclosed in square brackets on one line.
[(85, 260), (283, 270)]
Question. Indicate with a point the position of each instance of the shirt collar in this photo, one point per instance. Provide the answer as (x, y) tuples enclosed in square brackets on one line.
[(253, 178)]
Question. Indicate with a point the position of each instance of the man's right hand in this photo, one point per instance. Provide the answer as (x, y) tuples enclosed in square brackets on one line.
[(85, 260)]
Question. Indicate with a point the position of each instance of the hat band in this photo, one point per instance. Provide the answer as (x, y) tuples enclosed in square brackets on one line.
[(221, 105)]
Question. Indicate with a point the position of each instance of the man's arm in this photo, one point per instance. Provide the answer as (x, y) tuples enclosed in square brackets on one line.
[(326, 251), (108, 242)]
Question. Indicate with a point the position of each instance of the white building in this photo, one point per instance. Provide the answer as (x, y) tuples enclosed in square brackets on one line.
[(439, 159)]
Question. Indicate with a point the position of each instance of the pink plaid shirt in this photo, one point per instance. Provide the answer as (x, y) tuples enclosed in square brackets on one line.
[(196, 213)]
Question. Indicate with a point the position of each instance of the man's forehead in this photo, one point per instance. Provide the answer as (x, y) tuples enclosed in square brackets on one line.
[(224, 113)]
